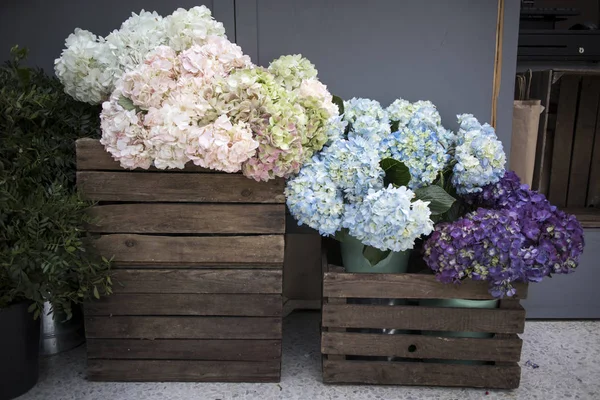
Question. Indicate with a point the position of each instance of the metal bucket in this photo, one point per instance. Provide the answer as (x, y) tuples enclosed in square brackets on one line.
[(58, 336)]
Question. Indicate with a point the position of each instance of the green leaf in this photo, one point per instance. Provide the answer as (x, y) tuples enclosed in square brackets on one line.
[(71, 249), (96, 294), (338, 102), (374, 255), (395, 126), (32, 307), (395, 172), (439, 200), (126, 103)]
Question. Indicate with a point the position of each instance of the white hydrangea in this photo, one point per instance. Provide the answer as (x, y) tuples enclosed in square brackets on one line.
[(217, 57), (86, 67), (185, 28), (358, 107), (291, 70), (388, 219)]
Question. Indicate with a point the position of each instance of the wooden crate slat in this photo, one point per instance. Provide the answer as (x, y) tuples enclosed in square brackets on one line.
[(91, 155), (188, 218), (563, 139), (363, 344), (169, 187), (125, 327), (198, 281), (183, 371), (247, 305), (151, 249), (404, 286), (422, 374), (194, 349), (593, 195), (582, 143), (425, 318)]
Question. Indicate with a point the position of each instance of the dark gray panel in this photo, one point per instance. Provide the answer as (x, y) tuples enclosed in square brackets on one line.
[(43, 25), (435, 49)]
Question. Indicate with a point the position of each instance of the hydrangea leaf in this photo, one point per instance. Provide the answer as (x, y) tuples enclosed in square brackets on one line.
[(338, 102), (374, 255), (395, 172), (126, 103), (439, 200)]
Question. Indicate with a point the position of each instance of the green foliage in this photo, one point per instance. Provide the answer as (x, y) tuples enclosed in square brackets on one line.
[(396, 172), (439, 201), (374, 255), (42, 218)]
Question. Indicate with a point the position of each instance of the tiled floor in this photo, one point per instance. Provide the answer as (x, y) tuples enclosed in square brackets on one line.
[(568, 355)]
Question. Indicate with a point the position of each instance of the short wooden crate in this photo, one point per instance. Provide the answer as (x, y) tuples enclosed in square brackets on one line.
[(198, 262), (351, 356)]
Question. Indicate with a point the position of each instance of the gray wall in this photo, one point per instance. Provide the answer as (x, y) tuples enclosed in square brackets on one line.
[(43, 25)]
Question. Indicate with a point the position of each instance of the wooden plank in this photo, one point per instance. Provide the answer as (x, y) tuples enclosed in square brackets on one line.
[(418, 346), (91, 155), (183, 371), (582, 144), (188, 218), (142, 249), (202, 349), (181, 188), (422, 374), (563, 139), (405, 286), (198, 281), (540, 89), (182, 328), (247, 305), (588, 217), (425, 318), (593, 195)]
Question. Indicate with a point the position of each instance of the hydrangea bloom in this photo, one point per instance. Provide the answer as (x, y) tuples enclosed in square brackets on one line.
[(90, 66), (371, 129), (357, 107), (388, 219), (354, 165), (315, 199), (418, 146), (484, 245), (185, 28), (479, 156), (291, 70), (86, 67)]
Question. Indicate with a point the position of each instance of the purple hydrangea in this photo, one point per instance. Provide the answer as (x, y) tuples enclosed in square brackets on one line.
[(484, 245)]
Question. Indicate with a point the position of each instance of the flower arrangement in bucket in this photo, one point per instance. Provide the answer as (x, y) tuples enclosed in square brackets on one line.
[(174, 90)]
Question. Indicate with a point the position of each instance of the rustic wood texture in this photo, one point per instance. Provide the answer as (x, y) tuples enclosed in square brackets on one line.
[(404, 286), (195, 349), (142, 249), (425, 318), (198, 281), (180, 188), (248, 305), (125, 327), (188, 218), (563, 139), (91, 155), (183, 371), (422, 374), (593, 195), (584, 138), (364, 344)]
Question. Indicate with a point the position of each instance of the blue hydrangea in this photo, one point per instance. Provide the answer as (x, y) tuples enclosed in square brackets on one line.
[(388, 219), (314, 199), (371, 129), (403, 111), (334, 129), (479, 156), (357, 107), (419, 147)]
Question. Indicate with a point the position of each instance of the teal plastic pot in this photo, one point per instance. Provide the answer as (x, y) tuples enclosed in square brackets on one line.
[(355, 262), (458, 303)]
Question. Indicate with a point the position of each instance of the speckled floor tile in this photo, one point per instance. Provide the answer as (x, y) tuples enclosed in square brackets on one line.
[(567, 352)]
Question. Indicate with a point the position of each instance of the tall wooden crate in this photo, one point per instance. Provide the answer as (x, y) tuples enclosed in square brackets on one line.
[(356, 350), (198, 259)]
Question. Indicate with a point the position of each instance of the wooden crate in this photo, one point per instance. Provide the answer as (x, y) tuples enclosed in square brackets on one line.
[(567, 167), (198, 260), (352, 356)]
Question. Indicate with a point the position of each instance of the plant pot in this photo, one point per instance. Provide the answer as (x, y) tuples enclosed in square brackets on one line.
[(19, 346), (355, 262), (58, 335), (458, 303)]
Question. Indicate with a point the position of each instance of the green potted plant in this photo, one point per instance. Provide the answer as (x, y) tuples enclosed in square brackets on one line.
[(42, 254)]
